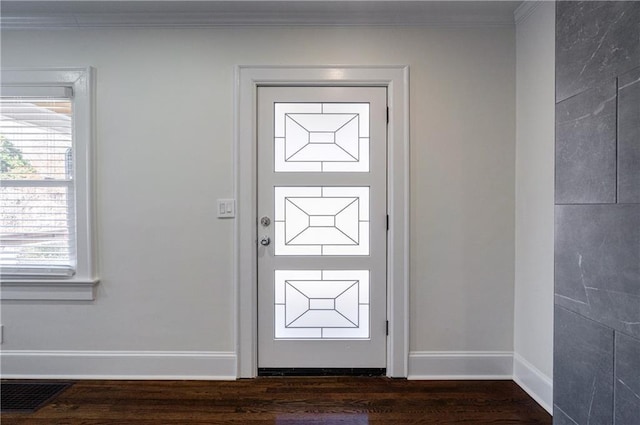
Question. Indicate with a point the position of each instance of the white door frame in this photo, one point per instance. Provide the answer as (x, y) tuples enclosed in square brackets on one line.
[(396, 79)]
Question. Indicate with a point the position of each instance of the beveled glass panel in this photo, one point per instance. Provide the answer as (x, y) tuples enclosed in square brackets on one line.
[(321, 220), (326, 137), (316, 304)]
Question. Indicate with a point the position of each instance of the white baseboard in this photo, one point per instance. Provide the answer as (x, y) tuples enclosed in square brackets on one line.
[(210, 365), (535, 383), (460, 365)]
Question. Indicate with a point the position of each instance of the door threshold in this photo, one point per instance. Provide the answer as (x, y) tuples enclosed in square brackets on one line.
[(321, 371)]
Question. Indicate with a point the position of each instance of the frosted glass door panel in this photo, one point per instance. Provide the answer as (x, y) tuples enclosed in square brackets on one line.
[(321, 220), (321, 304), (321, 228), (321, 137)]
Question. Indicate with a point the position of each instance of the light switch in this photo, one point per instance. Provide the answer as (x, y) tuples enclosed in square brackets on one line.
[(226, 208)]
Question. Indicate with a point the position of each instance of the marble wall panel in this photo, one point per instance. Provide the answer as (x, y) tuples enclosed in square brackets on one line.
[(583, 370), (629, 137), (597, 263), (595, 41), (627, 380), (586, 147)]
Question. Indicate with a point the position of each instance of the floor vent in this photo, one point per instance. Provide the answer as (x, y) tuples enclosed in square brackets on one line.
[(312, 371), (29, 396)]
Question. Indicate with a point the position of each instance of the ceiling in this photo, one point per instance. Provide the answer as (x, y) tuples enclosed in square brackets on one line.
[(18, 14)]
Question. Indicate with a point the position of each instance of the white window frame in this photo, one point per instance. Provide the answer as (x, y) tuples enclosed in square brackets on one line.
[(80, 286), (396, 79)]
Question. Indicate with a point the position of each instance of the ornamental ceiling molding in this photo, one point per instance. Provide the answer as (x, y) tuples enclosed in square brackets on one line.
[(135, 14)]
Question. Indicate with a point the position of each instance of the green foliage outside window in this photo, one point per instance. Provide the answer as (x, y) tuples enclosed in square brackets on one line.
[(12, 163)]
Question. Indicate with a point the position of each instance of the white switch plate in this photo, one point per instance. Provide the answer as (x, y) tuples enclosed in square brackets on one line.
[(226, 208)]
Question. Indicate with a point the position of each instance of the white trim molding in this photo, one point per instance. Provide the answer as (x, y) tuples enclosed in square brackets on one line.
[(212, 20), (535, 383), (396, 80), (453, 365), (202, 365), (153, 13), (80, 286), (50, 290)]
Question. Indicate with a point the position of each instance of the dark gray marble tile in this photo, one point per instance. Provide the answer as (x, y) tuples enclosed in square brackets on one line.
[(561, 418), (582, 370), (627, 380), (597, 263), (595, 41), (586, 147), (629, 137)]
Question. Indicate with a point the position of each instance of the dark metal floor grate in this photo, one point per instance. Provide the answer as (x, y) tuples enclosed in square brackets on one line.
[(329, 371), (29, 396)]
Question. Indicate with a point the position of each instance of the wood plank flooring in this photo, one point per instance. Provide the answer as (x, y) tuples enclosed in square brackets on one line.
[(289, 401)]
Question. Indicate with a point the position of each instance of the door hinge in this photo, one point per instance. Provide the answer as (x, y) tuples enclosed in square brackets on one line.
[(387, 327), (387, 115), (387, 222)]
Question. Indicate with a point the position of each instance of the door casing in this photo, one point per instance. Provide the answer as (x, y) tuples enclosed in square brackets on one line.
[(248, 78)]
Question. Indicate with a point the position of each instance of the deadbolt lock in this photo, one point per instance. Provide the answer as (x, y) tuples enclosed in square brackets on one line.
[(265, 240)]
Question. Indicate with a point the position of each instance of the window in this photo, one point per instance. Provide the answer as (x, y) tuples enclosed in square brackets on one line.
[(46, 235)]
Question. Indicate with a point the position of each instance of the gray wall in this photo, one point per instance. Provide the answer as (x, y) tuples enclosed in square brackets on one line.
[(164, 101), (597, 214)]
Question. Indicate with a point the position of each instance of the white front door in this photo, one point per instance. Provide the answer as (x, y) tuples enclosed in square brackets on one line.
[(322, 230)]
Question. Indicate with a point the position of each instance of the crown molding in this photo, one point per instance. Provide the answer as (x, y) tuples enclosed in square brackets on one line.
[(20, 15), (188, 20)]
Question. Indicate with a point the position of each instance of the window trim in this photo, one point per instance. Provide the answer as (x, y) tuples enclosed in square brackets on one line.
[(82, 285)]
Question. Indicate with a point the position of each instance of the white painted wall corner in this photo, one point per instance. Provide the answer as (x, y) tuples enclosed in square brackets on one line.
[(535, 383), (483, 365)]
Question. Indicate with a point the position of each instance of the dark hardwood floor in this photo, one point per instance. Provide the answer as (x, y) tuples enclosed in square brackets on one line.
[(289, 401)]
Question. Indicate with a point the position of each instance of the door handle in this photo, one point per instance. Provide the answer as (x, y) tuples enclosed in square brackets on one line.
[(265, 240)]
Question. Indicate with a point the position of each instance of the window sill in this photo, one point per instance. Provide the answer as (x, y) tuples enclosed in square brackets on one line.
[(48, 290)]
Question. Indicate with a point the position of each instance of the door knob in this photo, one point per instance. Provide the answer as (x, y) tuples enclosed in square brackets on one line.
[(265, 240)]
